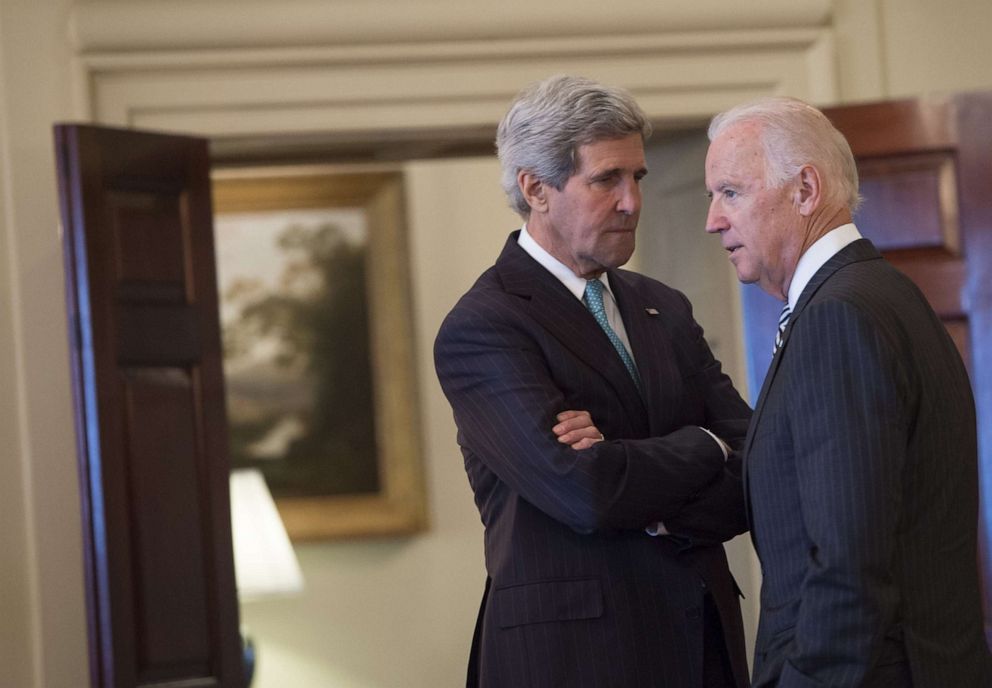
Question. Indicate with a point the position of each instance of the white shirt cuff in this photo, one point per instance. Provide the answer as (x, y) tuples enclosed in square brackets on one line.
[(656, 529), (723, 445)]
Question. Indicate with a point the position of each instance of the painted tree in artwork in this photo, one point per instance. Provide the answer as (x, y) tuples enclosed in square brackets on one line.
[(303, 410)]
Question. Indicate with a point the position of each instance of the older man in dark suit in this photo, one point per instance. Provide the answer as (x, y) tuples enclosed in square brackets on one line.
[(861, 462), (578, 593)]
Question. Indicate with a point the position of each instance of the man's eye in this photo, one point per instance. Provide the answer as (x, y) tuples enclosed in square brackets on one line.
[(729, 193)]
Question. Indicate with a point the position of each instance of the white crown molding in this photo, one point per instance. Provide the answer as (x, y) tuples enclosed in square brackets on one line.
[(154, 25), (270, 88), (401, 52)]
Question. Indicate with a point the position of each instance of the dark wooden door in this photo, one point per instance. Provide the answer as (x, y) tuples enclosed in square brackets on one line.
[(926, 176), (149, 399)]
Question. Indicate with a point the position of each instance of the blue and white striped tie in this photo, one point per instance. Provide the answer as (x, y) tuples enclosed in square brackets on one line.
[(783, 321)]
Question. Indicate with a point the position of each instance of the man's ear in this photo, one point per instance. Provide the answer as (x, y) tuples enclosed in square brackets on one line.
[(808, 191), (534, 191)]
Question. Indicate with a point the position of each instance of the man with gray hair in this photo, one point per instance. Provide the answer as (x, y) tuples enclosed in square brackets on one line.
[(861, 460), (585, 586)]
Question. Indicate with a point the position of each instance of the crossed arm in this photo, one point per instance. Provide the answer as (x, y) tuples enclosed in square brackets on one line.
[(505, 402), (700, 521)]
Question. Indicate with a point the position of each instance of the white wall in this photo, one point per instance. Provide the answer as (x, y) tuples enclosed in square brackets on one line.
[(15, 641), (883, 48), (936, 47), (42, 621), (911, 48)]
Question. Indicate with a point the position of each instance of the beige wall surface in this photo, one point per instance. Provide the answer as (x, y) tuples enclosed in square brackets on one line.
[(15, 594), (42, 621), (911, 48), (936, 47), (389, 612)]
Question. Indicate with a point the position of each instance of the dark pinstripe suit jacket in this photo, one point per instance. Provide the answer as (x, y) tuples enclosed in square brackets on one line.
[(579, 595), (861, 467)]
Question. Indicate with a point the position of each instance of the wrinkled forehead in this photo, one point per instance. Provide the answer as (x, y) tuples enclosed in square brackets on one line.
[(736, 152), (624, 151)]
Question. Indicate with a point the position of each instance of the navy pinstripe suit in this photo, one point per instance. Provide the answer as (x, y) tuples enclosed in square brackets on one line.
[(578, 594), (861, 468)]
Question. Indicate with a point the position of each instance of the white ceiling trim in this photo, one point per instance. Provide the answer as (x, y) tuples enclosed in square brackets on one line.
[(180, 68), (148, 25)]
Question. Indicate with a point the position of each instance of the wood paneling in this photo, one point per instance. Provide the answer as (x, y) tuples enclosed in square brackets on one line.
[(142, 301), (911, 202)]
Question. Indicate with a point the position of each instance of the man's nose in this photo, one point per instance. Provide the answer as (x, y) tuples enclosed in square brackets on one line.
[(716, 221), (630, 198)]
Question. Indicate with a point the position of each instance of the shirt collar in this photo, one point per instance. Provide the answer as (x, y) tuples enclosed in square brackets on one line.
[(572, 282), (825, 248)]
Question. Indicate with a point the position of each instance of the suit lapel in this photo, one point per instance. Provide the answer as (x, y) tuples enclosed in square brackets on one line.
[(652, 351), (545, 299), (759, 406), (855, 252)]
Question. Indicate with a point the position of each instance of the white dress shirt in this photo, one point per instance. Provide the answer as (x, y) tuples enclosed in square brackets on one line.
[(825, 248), (576, 284)]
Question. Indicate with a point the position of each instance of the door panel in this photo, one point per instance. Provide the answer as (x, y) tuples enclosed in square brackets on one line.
[(142, 304), (913, 201)]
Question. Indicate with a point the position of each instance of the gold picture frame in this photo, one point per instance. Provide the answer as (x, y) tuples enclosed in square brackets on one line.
[(397, 504)]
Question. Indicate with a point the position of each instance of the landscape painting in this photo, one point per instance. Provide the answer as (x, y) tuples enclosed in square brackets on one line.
[(315, 315)]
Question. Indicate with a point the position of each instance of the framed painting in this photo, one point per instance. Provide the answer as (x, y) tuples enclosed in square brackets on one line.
[(313, 274)]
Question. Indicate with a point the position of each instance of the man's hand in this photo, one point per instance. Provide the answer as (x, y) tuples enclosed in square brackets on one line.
[(576, 429)]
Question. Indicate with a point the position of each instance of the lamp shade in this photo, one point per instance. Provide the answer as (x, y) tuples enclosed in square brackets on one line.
[(264, 561)]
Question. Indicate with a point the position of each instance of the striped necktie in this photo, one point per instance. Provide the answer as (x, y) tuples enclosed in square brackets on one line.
[(783, 321), (594, 302)]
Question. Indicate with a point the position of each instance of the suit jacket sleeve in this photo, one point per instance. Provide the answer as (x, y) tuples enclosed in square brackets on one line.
[(505, 400), (715, 513), (849, 429)]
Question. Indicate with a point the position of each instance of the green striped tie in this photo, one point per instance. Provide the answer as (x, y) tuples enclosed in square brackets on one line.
[(594, 302)]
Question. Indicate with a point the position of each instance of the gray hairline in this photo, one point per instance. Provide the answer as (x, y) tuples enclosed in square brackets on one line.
[(830, 151)]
